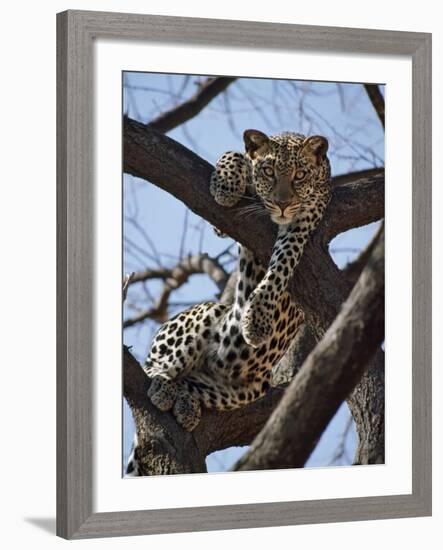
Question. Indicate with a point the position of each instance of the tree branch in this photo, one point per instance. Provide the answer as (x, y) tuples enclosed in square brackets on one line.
[(377, 101), (171, 166), (326, 378), (207, 91), (353, 269), (165, 447), (126, 283), (351, 177), (175, 278)]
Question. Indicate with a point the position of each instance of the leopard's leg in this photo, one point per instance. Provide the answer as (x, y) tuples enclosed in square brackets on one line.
[(178, 348), (258, 314), (225, 395), (230, 384), (162, 392), (229, 179), (187, 408), (250, 273), (132, 467)]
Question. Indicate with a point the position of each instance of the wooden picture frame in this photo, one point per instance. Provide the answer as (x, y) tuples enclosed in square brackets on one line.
[(76, 32)]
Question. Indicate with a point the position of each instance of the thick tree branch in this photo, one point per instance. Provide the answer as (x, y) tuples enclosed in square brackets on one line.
[(351, 177), (326, 378), (171, 166), (377, 101), (207, 91)]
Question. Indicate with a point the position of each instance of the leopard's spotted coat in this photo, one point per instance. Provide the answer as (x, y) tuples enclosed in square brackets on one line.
[(221, 356)]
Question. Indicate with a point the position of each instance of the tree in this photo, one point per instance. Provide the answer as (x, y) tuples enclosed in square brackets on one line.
[(337, 356)]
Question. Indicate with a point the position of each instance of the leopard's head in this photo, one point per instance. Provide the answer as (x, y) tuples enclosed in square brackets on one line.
[(288, 171)]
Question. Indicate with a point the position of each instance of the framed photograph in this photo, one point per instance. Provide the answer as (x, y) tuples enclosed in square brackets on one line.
[(244, 274)]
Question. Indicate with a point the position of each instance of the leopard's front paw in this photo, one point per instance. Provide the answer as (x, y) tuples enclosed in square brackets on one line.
[(257, 320), (228, 181), (222, 197), (162, 393), (187, 411)]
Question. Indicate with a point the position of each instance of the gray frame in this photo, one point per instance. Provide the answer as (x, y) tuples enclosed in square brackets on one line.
[(76, 31)]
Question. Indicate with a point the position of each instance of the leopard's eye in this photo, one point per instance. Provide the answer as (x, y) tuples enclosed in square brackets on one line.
[(268, 171), (299, 174)]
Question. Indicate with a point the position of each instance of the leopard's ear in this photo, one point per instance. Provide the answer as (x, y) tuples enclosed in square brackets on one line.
[(317, 147), (256, 142)]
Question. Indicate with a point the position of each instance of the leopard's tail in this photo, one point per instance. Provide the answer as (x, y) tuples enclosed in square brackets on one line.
[(132, 468)]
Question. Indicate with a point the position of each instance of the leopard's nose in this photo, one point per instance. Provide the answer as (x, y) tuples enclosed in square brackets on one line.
[(283, 205)]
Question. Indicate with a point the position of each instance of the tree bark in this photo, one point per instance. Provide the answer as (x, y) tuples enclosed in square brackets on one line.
[(318, 285), (164, 447)]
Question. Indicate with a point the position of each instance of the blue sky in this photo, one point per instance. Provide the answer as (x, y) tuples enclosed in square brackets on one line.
[(154, 221)]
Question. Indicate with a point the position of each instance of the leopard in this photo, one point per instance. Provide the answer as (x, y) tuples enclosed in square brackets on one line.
[(219, 356)]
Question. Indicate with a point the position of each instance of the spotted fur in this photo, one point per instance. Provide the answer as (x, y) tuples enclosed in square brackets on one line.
[(222, 356)]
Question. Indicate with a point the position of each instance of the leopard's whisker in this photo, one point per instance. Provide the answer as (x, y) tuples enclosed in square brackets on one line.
[(250, 211), (250, 207), (246, 213), (256, 213), (252, 203)]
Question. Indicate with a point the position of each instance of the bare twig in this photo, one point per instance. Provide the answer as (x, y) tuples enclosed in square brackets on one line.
[(173, 279), (184, 234), (340, 452), (126, 284), (183, 112), (142, 232)]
